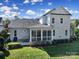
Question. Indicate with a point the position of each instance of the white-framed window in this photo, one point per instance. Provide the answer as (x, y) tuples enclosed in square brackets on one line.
[(46, 34), (66, 32), (15, 33), (61, 20), (53, 20), (53, 32), (36, 35)]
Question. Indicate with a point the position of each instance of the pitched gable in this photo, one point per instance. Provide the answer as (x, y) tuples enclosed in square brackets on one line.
[(60, 10)]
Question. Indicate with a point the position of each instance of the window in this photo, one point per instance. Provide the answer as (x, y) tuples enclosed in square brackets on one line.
[(53, 32), (36, 35), (15, 33), (61, 20), (44, 33), (47, 35), (33, 33), (0, 19), (66, 32), (53, 20), (39, 33)]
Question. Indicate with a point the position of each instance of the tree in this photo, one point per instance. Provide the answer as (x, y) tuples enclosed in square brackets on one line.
[(77, 32), (73, 26), (74, 30), (4, 33)]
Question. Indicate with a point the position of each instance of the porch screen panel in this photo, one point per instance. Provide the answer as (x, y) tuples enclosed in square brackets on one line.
[(38, 35), (33, 35), (44, 35), (49, 35)]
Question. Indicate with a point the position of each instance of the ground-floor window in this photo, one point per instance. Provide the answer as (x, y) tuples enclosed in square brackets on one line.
[(36, 35), (46, 34)]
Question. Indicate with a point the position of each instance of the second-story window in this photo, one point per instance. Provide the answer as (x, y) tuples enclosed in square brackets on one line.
[(53, 20), (61, 20)]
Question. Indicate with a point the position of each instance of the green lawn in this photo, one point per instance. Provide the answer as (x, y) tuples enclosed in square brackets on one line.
[(60, 51)]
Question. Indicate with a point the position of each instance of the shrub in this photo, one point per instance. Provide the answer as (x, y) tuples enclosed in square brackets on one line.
[(14, 45), (23, 40)]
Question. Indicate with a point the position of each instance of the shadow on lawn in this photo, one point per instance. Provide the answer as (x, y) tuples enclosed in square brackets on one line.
[(4, 54), (65, 49)]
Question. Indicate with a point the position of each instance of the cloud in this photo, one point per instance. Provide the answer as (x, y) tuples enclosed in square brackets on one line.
[(75, 13), (30, 12), (5, 9), (26, 1), (1, 4), (49, 3), (32, 1), (15, 13), (45, 10), (6, 1), (15, 7), (72, 11)]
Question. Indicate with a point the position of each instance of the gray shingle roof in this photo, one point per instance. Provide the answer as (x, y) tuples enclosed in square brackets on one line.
[(22, 23)]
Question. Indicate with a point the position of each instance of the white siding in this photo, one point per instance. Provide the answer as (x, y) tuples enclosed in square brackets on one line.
[(21, 33), (57, 26), (60, 28)]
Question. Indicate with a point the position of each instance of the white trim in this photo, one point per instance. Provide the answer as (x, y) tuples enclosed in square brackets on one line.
[(30, 36), (41, 35)]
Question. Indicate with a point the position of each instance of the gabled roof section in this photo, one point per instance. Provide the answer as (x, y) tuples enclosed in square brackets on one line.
[(58, 11), (22, 23)]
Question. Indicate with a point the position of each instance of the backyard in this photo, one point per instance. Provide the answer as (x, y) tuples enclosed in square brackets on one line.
[(59, 51)]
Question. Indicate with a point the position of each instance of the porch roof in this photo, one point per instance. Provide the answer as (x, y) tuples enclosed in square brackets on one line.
[(40, 26)]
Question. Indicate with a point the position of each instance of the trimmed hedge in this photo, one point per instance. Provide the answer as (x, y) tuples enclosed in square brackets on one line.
[(14, 45)]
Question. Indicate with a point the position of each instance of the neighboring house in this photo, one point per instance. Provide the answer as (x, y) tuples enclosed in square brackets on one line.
[(53, 25)]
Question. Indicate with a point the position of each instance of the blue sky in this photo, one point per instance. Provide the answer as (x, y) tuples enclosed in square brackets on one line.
[(35, 8)]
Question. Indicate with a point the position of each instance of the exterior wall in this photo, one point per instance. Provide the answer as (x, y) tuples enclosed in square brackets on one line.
[(41, 20), (57, 26), (21, 33), (45, 19), (60, 28)]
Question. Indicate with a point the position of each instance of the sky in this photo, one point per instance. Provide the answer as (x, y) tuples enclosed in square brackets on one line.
[(36, 8)]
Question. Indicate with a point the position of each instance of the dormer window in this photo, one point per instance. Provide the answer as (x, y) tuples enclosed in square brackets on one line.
[(61, 20), (53, 20)]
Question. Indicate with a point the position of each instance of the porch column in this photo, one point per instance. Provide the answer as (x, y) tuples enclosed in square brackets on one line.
[(41, 35), (30, 36), (52, 35)]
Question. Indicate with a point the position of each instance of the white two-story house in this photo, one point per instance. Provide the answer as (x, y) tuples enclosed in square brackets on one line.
[(59, 20), (53, 25)]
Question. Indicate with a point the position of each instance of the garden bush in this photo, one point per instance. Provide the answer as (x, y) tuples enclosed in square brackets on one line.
[(23, 40), (14, 45)]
